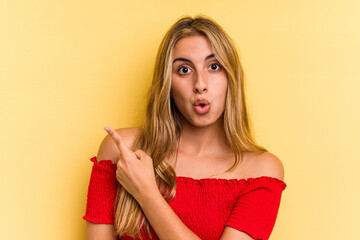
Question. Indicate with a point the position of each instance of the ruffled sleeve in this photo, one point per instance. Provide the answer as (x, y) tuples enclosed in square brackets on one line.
[(256, 209), (101, 192)]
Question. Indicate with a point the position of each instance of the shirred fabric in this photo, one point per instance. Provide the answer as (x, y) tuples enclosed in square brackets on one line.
[(255, 211), (205, 206), (101, 192)]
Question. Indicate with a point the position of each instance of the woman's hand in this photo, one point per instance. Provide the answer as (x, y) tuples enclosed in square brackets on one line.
[(135, 170)]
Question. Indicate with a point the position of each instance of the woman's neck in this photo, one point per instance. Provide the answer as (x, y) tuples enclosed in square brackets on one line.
[(200, 141)]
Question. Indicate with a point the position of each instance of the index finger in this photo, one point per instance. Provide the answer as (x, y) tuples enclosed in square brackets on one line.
[(118, 140)]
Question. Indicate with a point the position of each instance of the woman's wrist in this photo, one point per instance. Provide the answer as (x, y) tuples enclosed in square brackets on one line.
[(147, 197), (163, 219)]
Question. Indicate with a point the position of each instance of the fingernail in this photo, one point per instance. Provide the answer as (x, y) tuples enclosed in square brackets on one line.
[(107, 128)]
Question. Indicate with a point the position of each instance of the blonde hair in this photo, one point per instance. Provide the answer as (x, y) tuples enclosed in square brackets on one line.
[(161, 129)]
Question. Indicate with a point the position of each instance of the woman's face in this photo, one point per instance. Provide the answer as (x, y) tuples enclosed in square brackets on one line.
[(199, 82)]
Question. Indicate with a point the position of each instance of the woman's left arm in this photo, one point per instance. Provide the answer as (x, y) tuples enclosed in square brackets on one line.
[(168, 225), (135, 172), (163, 219)]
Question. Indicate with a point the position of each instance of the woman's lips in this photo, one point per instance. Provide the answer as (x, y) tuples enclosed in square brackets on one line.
[(202, 108)]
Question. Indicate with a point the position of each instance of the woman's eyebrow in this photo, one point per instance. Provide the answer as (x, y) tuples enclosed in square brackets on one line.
[(187, 60)]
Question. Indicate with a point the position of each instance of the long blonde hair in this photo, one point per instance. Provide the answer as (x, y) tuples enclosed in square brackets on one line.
[(161, 128)]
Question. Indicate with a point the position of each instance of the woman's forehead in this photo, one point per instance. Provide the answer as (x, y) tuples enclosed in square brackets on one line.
[(194, 47)]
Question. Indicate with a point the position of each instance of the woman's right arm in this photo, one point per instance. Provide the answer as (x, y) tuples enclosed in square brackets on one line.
[(96, 231), (100, 231), (108, 151)]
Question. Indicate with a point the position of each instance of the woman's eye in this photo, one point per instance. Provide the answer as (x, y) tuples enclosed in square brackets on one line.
[(215, 66), (184, 70)]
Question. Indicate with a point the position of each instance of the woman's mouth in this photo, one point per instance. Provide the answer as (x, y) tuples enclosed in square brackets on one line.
[(202, 109)]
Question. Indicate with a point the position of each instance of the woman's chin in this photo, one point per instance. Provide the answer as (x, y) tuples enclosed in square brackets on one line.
[(201, 123)]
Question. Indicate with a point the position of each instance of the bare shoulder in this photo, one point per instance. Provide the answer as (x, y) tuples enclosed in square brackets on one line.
[(109, 151), (265, 164)]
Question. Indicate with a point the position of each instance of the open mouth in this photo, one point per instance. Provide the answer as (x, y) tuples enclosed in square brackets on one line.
[(202, 108)]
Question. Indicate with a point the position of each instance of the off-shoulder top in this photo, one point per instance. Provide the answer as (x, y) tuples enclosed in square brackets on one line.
[(205, 206)]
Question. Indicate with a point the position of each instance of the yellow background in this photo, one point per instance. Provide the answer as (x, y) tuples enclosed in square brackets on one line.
[(69, 68)]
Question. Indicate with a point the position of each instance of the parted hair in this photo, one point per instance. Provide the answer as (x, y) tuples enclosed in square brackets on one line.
[(159, 133)]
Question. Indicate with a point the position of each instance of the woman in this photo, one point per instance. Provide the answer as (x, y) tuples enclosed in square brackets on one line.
[(193, 169)]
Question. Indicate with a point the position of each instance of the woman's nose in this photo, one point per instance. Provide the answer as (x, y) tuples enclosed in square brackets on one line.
[(200, 84)]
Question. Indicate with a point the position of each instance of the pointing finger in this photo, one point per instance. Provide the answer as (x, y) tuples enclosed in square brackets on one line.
[(118, 141)]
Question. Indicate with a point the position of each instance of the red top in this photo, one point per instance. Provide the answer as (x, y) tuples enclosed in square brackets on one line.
[(205, 206)]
